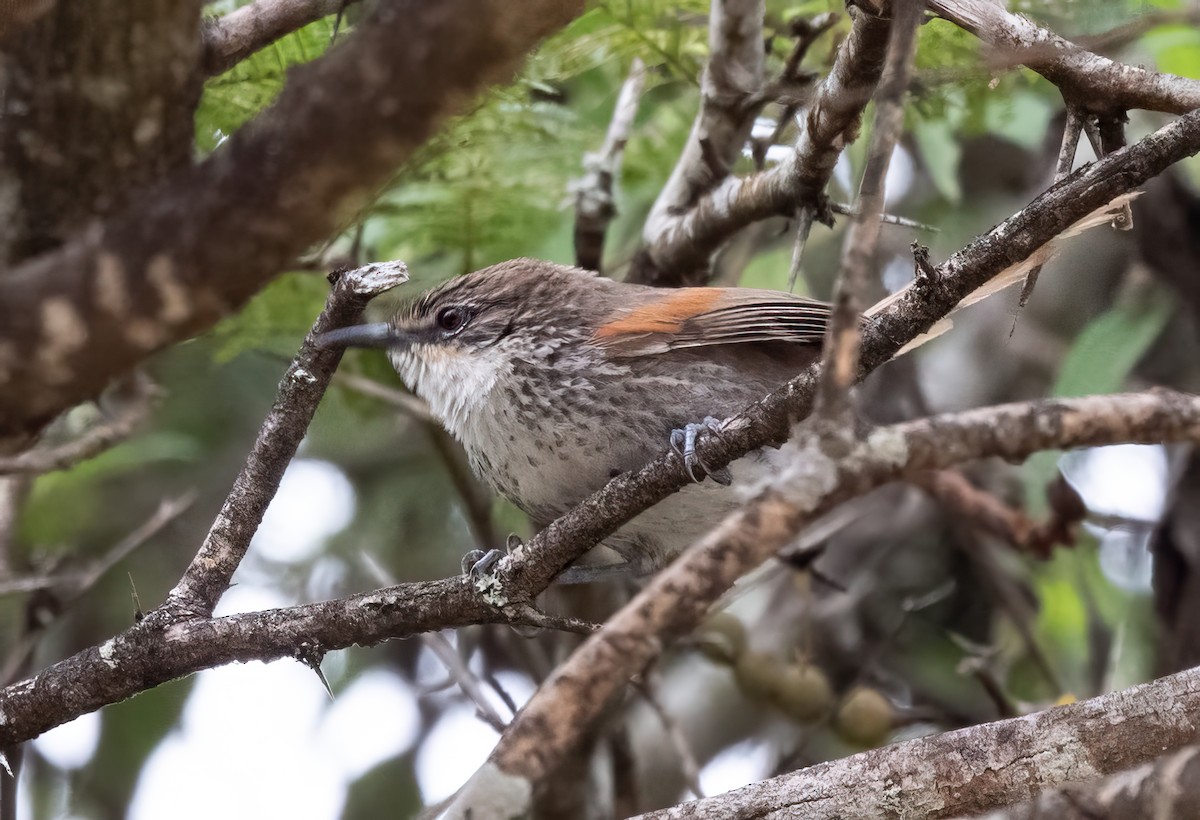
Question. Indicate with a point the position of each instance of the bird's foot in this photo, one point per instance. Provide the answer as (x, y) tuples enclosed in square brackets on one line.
[(478, 563), (683, 442)]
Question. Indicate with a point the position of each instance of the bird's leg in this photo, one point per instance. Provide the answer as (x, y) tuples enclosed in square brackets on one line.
[(683, 442)]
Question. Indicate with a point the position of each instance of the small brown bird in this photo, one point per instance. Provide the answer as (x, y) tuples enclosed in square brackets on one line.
[(556, 379)]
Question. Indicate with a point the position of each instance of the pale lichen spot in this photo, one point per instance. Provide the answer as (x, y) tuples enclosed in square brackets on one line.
[(63, 332), (491, 590), (302, 375), (112, 291), (108, 653), (176, 306), (889, 446), (144, 334)]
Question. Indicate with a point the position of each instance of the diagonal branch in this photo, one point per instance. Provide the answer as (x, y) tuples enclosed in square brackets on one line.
[(300, 390), (72, 319)]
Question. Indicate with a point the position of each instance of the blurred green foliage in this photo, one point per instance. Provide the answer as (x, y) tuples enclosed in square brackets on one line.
[(492, 185)]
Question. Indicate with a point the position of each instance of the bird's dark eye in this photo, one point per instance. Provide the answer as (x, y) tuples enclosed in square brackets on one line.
[(451, 319)]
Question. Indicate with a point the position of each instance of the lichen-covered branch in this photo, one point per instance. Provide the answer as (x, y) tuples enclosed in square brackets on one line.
[(733, 77), (994, 764)]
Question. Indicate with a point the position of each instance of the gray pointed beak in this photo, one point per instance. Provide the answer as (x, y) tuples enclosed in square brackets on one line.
[(380, 334)]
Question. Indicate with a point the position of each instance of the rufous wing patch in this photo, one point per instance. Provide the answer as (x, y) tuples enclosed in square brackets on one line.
[(663, 315)]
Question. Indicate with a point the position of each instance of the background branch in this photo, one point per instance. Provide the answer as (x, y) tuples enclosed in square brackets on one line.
[(233, 37), (594, 203), (1093, 83), (727, 89), (677, 245), (839, 364)]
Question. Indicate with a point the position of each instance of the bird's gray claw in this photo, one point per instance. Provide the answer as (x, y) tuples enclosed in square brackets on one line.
[(683, 443), (478, 562)]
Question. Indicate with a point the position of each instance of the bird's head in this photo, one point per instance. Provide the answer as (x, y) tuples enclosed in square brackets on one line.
[(455, 343)]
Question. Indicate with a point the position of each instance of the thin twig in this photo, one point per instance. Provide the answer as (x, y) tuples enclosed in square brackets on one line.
[(840, 357), (804, 223), (649, 688), (403, 401), (890, 219), (70, 587), (952, 489), (136, 402), (1066, 161), (465, 678), (595, 206), (722, 125), (300, 390)]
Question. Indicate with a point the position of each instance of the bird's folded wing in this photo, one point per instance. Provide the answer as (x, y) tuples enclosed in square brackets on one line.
[(698, 317)]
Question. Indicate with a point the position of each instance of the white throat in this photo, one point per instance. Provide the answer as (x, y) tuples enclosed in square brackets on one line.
[(454, 384)]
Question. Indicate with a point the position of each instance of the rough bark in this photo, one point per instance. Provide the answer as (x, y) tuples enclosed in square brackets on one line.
[(177, 260)]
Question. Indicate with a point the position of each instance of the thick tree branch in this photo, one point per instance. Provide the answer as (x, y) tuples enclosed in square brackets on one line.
[(677, 599), (233, 37), (1088, 81), (300, 390), (994, 764), (73, 319), (97, 107), (1169, 787), (680, 244)]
